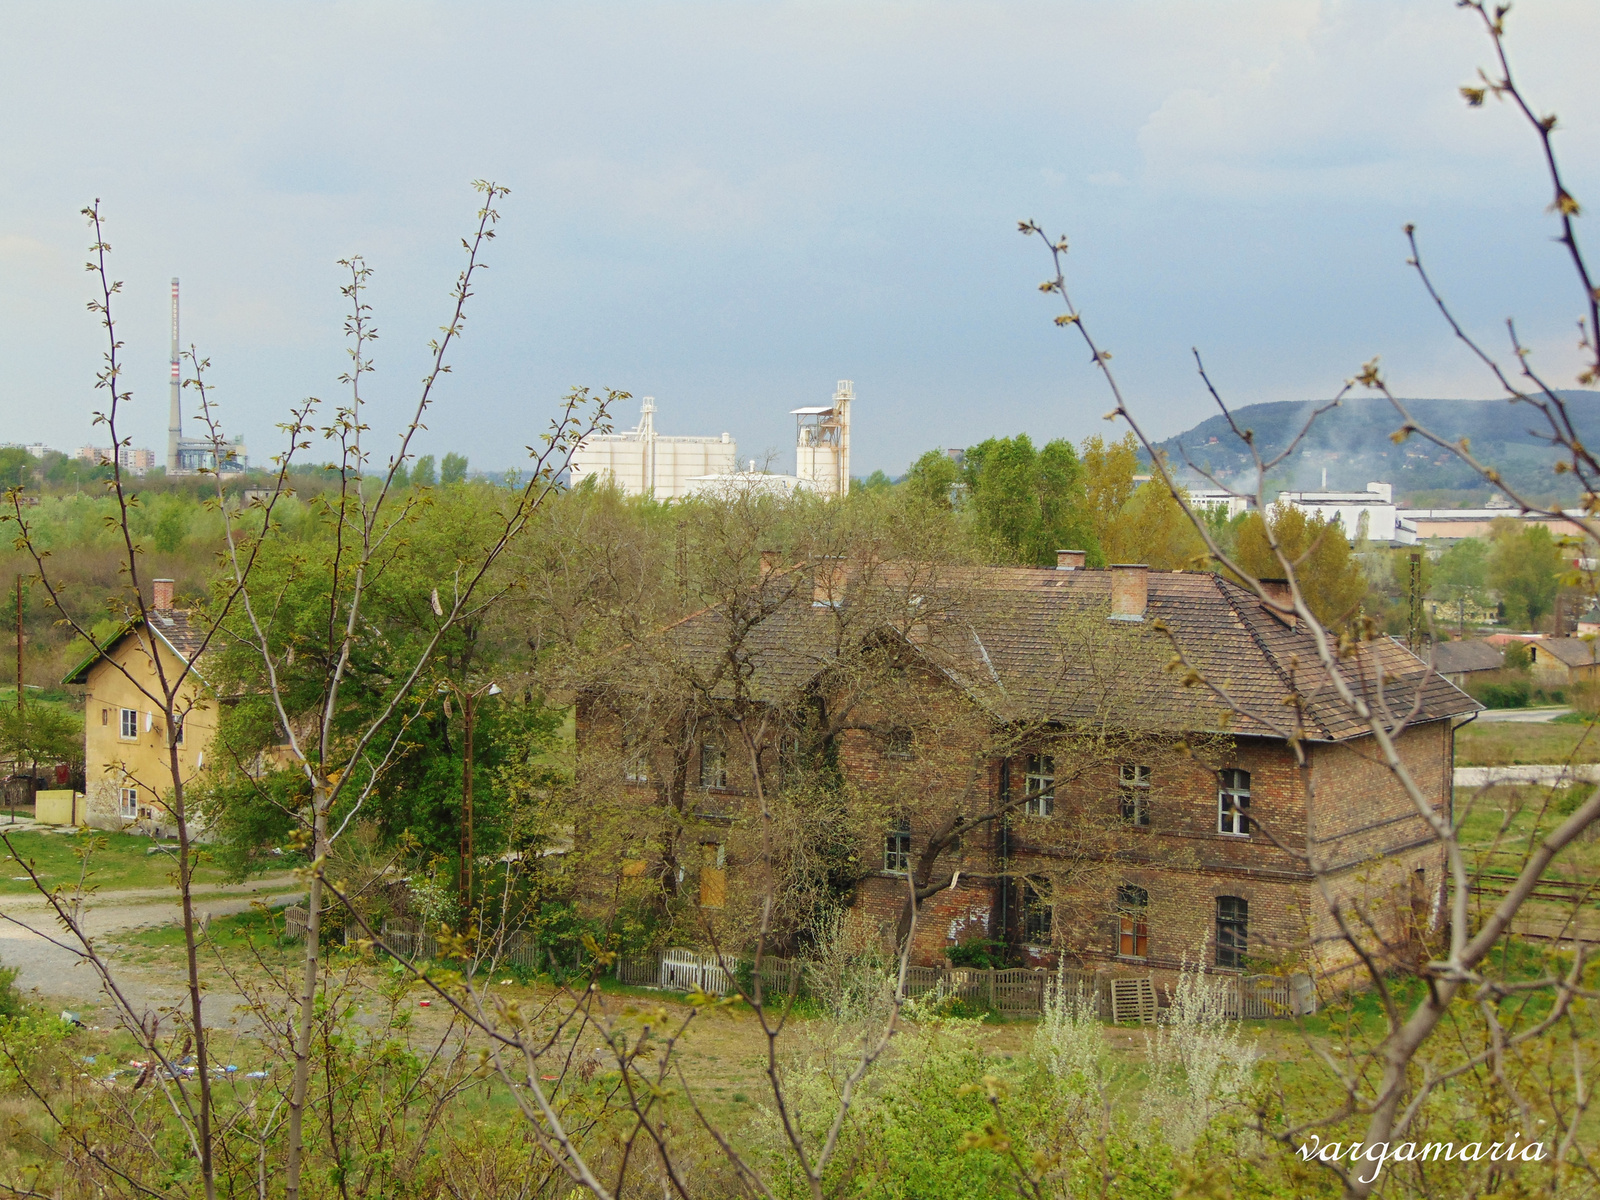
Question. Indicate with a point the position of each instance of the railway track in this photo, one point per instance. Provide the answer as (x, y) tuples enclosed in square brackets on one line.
[(1563, 890)]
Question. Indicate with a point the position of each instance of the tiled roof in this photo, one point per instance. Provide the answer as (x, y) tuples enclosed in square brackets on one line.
[(1570, 651), (1452, 658), (1035, 644)]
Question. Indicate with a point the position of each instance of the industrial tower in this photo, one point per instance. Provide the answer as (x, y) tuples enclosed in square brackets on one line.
[(822, 443), (190, 456), (175, 411)]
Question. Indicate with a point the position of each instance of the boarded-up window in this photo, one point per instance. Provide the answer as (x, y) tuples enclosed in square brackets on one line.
[(1036, 912), (1133, 922), (713, 874)]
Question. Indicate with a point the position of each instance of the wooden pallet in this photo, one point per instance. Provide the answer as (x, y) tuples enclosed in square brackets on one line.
[(1133, 1000)]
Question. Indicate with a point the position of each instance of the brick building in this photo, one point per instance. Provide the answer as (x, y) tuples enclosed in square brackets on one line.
[(1096, 763)]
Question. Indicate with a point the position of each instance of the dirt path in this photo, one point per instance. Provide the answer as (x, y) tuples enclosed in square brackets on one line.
[(32, 940)]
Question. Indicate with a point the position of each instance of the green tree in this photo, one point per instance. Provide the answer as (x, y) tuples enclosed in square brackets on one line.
[(1463, 569), (16, 467), (1027, 503), (934, 477), (1524, 568), (423, 473), (453, 469), (1330, 577), (1153, 529), (41, 733), (1108, 471), (171, 527)]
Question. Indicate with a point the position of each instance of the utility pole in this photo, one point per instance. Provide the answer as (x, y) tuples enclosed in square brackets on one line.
[(1416, 601), (19, 643), (469, 701), (466, 798)]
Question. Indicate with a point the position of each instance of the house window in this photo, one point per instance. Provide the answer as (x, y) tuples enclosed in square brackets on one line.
[(177, 729), (1233, 803), (1233, 930), (713, 766), (898, 743), (1133, 922), (637, 769), (897, 848), (130, 803), (713, 874), (1035, 912), (130, 723), (1134, 787), (105, 716), (1039, 785)]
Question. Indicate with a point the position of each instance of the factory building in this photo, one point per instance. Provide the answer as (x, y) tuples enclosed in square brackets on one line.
[(642, 461)]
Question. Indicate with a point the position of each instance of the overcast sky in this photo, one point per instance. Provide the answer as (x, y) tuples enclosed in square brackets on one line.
[(730, 207)]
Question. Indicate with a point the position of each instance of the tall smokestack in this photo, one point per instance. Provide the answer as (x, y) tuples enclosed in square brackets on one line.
[(175, 415), (845, 393)]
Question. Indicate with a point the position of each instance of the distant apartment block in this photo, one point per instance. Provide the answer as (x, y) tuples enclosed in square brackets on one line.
[(133, 459)]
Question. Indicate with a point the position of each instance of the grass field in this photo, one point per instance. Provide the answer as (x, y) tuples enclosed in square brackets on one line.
[(116, 861), (1503, 743)]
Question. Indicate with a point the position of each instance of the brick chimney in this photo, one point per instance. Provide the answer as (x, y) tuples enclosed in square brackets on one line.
[(161, 601), (1071, 560), (1280, 597), (1130, 591)]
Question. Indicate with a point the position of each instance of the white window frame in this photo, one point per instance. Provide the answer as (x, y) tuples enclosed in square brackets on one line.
[(1039, 775), (1233, 802), (128, 718), (713, 778), (897, 848), (1133, 793), (129, 800), (637, 769)]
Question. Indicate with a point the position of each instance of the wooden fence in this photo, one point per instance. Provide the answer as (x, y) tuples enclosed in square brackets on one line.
[(1012, 991)]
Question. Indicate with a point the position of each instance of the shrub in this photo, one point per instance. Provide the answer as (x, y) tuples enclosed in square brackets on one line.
[(982, 953), (11, 1004), (1504, 695)]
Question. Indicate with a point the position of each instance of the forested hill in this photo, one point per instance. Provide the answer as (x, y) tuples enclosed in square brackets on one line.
[(1353, 443)]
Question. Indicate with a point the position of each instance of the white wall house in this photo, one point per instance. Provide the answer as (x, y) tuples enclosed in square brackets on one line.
[(1372, 512)]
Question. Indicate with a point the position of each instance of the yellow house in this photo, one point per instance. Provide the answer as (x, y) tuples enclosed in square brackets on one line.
[(128, 773)]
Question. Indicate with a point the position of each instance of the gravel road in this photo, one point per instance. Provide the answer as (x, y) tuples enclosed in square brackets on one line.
[(29, 931)]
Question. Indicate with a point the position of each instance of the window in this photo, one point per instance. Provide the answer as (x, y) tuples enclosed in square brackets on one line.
[(130, 802), (713, 874), (130, 723), (105, 716), (1233, 930), (1039, 785), (897, 848), (177, 729), (1035, 912), (637, 769), (1133, 922), (713, 766), (1134, 787), (1233, 803), (898, 744)]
